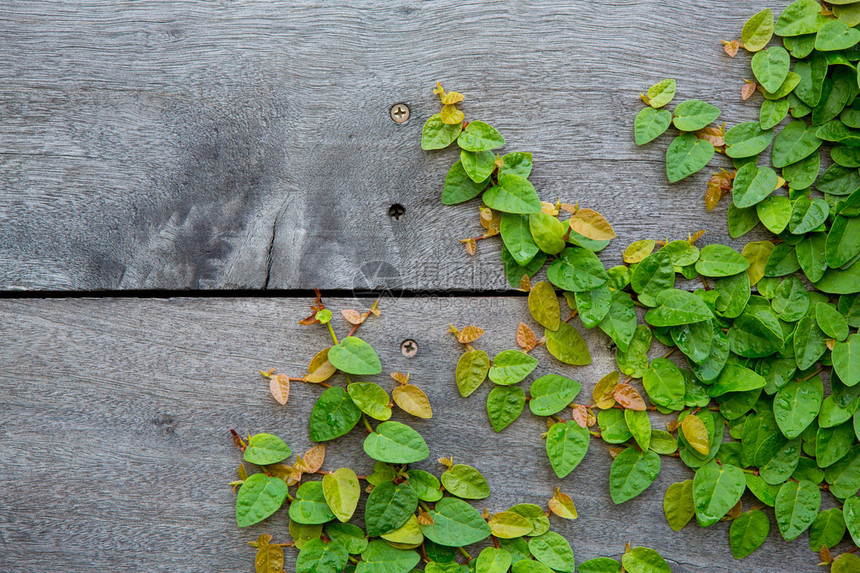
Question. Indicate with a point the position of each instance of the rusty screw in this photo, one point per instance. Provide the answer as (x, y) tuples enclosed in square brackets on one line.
[(409, 348), (399, 112)]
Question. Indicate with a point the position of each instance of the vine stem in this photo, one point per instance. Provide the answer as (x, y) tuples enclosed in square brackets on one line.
[(813, 375), (331, 331), (366, 424)]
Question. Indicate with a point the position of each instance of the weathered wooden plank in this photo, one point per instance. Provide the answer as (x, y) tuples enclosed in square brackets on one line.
[(115, 453), (247, 144)]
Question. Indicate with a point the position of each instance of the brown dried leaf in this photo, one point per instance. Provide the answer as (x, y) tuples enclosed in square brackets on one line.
[(287, 473), (830, 342), (824, 554), (243, 473), (591, 224), (568, 207), (628, 397), (320, 369), (469, 334), (748, 90), (592, 419), (491, 220), (352, 316), (718, 185), (696, 434), (279, 386), (735, 512), (580, 415), (526, 338), (424, 518), (412, 400), (603, 390), (525, 283), (613, 451), (312, 461), (400, 377), (471, 246), (561, 505), (731, 48), (673, 425), (713, 134)]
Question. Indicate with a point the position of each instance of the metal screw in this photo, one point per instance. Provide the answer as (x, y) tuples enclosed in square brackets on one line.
[(409, 348), (396, 211), (399, 112)]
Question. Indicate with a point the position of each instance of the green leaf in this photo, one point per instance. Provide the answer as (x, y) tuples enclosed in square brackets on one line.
[(752, 184), (518, 163), (459, 187), (654, 274), (518, 237), (566, 445), (687, 155), (800, 17), (747, 139), (802, 174), (795, 142), (644, 560), (310, 507), (756, 333), (828, 529), (677, 307), (395, 443), (465, 482), (472, 369), (748, 532), (693, 114), (478, 165), (567, 345), (513, 194), (791, 301), (600, 565), (765, 492), (741, 221), (548, 232), (661, 93), (843, 241), (844, 475), (835, 94), (782, 261), (455, 524), (807, 214), (735, 378), (650, 124), (631, 473), (319, 557), (388, 507), (333, 415), (620, 321), (350, 536), (720, 261), (543, 305), (809, 342), (530, 566), (797, 504), (380, 557), (810, 256), (265, 449), (577, 269), (534, 514), (259, 497), (837, 281), (511, 366), (493, 560), (514, 272), (640, 427), (504, 405), (797, 404), (341, 491), (664, 384), (663, 442), (733, 295), (480, 136), (836, 35), (437, 134), (553, 550), (354, 356), (716, 489), (774, 213), (550, 394), (771, 67), (370, 399), (678, 504), (634, 361), (758, 31), (425, 485), (845, 563), (851, 513), (593, 305), (613, 426), (773, 112), (846, 359)]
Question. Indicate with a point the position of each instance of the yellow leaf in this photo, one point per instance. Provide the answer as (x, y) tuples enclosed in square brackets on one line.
[(561, 505), (469, 334), (525, 283), (320, 368), (603, 390), (447, 462), (526, 338), (696, 434), (279, 386), (628, 397), (451, 115), (471, 246), (243, 473), (491, 220), (509, 525), (712, 134), (412, 400), (757, 253), (639, 250), (695, 237), (270, 557), (312, 461), (549, 208), (352, 316), (591, 224)]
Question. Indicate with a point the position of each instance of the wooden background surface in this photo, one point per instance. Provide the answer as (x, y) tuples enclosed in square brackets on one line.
[(247, 145)]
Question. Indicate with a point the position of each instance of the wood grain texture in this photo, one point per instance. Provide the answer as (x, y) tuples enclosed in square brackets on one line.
[(247, 144), (115, 454)]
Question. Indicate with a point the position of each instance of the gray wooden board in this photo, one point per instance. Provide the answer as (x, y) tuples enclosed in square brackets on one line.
[(115, 454), (247, 144)]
